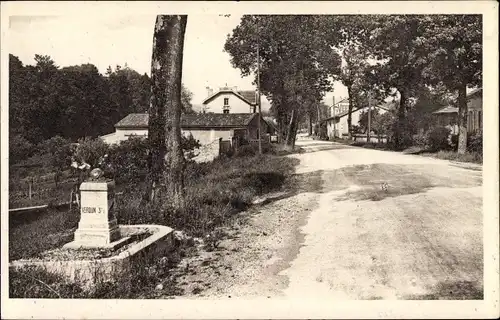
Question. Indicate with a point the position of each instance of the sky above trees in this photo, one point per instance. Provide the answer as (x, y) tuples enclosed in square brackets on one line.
[(127, 39)]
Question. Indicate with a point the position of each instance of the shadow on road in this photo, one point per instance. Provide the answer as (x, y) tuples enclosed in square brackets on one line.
[(452, 290), (376, 182)]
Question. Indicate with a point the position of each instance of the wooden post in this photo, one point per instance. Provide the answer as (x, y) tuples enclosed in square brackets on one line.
[(369, 119), (258, 99), (30, 184)]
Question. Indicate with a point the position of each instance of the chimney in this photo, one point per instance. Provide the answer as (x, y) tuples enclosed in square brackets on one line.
[(334, 100), (210, 91), (235, 89)]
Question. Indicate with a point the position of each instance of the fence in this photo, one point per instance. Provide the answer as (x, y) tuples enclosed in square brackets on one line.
[(33, 191)]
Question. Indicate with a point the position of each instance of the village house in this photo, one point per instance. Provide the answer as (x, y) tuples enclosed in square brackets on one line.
[(230, 100), (336, 124), (205, 127), (448, 116)]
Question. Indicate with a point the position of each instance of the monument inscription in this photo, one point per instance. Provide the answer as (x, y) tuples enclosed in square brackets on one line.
[(98, 226)]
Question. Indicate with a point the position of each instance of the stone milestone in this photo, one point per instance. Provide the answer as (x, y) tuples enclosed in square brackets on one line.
[(98, 227)]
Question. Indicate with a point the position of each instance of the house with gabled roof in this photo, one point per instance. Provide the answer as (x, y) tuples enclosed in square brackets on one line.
[(230, 100), (205, 127), (448, 116)]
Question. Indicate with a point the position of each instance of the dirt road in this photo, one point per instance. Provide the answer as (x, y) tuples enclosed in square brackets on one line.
[(363, 224)]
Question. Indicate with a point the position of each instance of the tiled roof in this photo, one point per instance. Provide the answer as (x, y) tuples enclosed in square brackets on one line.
[(134, 120), (249, 95), (217, 120), (447, 109), (451, 109), (196, 120)]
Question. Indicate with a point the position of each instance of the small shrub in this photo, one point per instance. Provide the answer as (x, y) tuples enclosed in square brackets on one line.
[(246, 150), (264, 182), (437, 139), (420, 140), (475, 142), (189, 144)]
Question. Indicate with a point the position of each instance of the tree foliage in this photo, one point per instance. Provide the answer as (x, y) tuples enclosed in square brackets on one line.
[(46, 100), (293, 75), (453, 44)]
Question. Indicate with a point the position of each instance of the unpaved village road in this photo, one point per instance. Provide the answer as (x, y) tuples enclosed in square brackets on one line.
[(343, 235)]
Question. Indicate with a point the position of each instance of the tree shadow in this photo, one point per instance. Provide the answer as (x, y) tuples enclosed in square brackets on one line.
[(452, 290), (373, 182)]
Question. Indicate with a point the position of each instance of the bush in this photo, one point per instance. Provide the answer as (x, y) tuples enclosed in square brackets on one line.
[(420, 140), (437, 139), (58, 148), (189, 144), (246, 150), (475, 142), (19, 148), (128, 160), (91, 150)]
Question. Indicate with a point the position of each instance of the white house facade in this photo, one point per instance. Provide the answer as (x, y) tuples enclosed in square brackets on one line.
[(205, 127), (336, 124), (230, 100)]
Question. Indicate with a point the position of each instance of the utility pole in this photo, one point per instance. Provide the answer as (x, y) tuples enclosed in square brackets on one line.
[(258, 100), (369, 119)]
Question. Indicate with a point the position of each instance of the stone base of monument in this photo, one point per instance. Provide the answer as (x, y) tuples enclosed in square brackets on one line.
[(87, 272), (106, 237)]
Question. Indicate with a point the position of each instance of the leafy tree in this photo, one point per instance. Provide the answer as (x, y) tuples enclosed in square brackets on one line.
[(186, 97), (454, 47), (85, 100), (292, 75), (380, 122), (393, 42), (348, 36)]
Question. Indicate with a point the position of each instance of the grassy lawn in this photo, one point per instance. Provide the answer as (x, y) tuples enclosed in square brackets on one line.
[(33, 233), (215, 193)]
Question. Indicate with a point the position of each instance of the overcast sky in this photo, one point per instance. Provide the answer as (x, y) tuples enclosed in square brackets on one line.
[(111, 40)]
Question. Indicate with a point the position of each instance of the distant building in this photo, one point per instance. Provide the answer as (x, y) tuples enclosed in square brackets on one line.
[(336, 124), (205, 127), (230, 100), (448, 116)]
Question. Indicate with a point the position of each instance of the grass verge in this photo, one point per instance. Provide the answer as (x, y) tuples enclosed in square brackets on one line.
[(215, 193)]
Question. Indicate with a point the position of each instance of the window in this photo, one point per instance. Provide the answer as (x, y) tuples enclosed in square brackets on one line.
[(226, 101), (225, 111), (480, 119)]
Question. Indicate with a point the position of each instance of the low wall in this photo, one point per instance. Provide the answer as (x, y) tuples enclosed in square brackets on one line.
[(88, 272)]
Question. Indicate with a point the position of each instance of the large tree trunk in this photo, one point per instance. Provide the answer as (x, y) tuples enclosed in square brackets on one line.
[(462, 119), (349, 115), (166, 71), (292, 129), (310, 126), (156, 125), (400, 123)]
